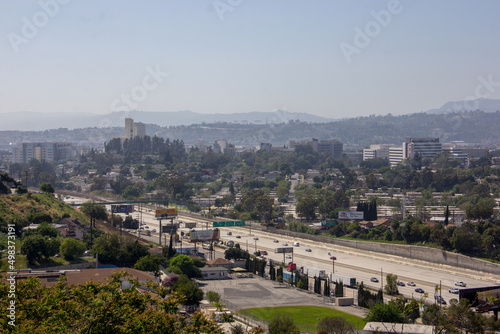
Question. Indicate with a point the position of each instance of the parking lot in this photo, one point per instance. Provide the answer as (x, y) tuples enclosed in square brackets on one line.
[(251, 292)]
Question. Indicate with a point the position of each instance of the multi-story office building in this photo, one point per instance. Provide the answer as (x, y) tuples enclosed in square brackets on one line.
[(426, 147), (333, 147), (133, 129), (48, 151), (376, 151), (396, 155)]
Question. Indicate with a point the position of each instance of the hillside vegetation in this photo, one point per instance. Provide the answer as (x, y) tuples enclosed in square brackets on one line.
[(26, 208)]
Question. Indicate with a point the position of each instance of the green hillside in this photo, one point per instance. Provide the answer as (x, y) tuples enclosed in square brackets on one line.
[(27, 208)]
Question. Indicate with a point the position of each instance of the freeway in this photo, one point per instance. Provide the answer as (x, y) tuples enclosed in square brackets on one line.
[(362, 265)]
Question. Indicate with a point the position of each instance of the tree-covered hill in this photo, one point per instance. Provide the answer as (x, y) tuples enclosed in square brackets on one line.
[(356, 133), (26, 208)]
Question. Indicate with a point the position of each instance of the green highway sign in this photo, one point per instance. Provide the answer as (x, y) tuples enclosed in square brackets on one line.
[(228, 223)]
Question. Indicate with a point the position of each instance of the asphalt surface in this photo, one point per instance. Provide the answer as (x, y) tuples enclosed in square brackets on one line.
[(253, 292)]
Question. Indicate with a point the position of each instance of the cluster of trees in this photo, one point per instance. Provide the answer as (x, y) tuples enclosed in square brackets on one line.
[(369, 210), (326, 202), (477, 239), (65, 309), (456, 318)]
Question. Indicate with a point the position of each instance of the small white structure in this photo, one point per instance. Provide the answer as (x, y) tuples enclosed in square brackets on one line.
[(210, 273)]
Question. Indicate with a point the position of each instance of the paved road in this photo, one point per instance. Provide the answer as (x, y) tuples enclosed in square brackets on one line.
[(352, 262)]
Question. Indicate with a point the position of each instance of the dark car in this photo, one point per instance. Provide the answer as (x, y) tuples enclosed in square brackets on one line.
[(238, 237), (374, 279), (420, 290), (400, 283)]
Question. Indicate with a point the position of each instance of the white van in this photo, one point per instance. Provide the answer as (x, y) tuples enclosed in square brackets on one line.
[(296, 244)]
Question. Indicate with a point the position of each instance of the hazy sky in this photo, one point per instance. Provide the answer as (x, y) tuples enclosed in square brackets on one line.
[(329, 58)]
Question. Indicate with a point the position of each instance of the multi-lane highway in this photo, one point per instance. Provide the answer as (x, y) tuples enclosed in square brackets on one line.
[(349, 261)]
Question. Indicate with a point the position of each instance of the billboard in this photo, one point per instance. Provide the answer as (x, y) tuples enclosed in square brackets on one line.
[(166, 213), (204, 235), (284, 250), (351, 215), (122, 208), (169, 228)]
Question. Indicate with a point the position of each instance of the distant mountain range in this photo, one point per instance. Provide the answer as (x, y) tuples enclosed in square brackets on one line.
[(486, 105), (34, 121)]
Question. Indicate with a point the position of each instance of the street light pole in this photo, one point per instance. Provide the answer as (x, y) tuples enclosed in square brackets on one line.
[(333, 258)]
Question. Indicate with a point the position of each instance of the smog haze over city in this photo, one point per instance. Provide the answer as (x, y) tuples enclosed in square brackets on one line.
[(334, 59)]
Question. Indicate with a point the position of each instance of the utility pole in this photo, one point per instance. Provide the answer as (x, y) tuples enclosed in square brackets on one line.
[(160, 231)]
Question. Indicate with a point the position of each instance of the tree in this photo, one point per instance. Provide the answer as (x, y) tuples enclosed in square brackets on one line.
[(94, 211), (306, 207), (212, 296), (412, 311), (108, 248), (192, 293), (183, 264), (131, 192), (282, 324), (47, 188), (446, 216), (72, 248), (335, 325), (389, 312), (150, 262), (391, 288), (65, 309), (36, 248)]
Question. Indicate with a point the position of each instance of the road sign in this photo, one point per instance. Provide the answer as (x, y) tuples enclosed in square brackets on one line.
[(230, 223), (219, 224), (239, 223)]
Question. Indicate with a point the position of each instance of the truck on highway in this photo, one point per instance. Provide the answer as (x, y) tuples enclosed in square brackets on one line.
[(346, 280)]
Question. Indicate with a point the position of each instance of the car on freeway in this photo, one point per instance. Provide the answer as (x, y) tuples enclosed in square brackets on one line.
[(255, 238), (453, 290), (374, 279), (308, 250), (229, 233), (410, 284), (419, 290), (153, 230), (146, 226), (284, 244), (263, 252), (276, 240), (460, 283), (288, 256), (238, 237), (400, 283)]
